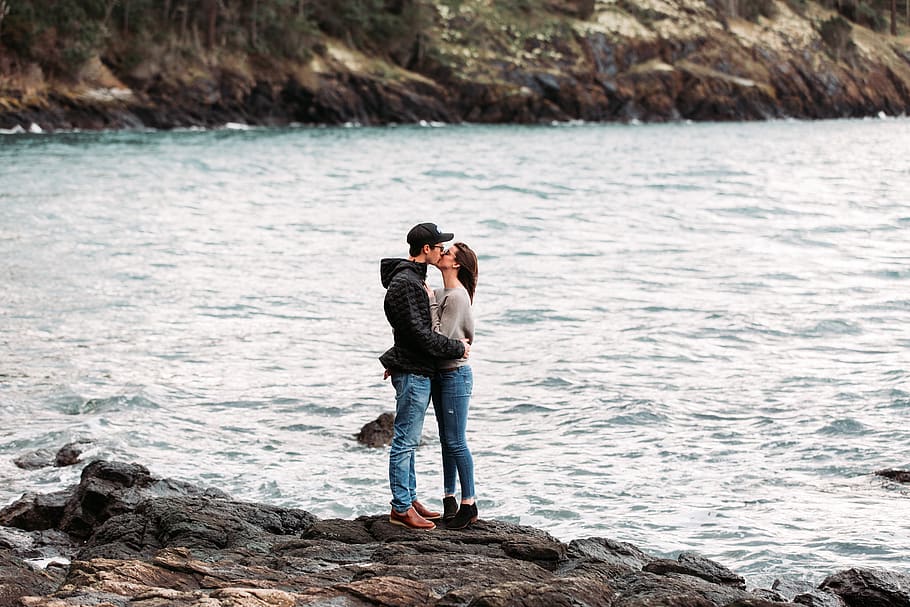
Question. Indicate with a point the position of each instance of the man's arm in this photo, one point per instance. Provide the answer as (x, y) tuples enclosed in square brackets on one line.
[(410, 306)]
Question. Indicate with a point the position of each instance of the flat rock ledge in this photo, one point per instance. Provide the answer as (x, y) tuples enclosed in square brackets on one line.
[(123, 538)]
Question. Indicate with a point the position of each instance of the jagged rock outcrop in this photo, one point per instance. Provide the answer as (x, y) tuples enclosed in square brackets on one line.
[(147, 542), (106, 489), (869, 588), (653, 60)]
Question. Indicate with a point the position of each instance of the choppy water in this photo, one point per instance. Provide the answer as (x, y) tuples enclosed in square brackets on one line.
[(689, 336)]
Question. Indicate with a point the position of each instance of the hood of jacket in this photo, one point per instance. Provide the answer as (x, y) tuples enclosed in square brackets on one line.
[(390, 267)]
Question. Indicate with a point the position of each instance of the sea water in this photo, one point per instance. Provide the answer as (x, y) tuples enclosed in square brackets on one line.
[(689, 336)]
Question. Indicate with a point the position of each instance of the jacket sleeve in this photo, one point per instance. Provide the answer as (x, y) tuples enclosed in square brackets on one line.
[(409, 309)]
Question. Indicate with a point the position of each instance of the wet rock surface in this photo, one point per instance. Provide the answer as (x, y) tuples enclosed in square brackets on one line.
[(124, 538)]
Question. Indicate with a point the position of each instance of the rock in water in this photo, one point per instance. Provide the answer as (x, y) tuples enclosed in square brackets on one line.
[(68, 454), (900, 476), (41, 458), (377, 433)]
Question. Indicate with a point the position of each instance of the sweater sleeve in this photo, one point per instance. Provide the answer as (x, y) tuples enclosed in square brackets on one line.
[(436, 310)]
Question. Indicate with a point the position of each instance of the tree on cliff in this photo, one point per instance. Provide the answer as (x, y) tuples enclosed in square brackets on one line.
[(211, 10), (4, 11), (59, 35)]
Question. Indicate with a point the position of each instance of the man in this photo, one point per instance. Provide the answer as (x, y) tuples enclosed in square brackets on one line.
[(411, 364)]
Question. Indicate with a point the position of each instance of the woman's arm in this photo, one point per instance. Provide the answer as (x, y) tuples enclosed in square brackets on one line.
[(435, 309)]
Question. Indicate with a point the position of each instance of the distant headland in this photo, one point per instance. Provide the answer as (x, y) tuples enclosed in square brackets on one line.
[(127, 64)]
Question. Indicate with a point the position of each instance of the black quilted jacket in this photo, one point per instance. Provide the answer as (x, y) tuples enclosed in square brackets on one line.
[(407, 308)]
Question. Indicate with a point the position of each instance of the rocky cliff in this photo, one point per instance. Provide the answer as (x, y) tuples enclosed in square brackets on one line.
[(123, 538), (649, 60)]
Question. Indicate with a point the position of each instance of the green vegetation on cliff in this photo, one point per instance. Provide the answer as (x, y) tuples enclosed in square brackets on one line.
[(169, 63), (60, 36)]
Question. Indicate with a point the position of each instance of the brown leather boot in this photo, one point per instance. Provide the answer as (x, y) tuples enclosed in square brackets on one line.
[(410, 519), (424, 511)]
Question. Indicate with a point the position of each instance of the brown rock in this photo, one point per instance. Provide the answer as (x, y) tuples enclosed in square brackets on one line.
[(392, 591), (565, 592), (377, 433), (68, 454), (757, 602), (253, 597), (125, 577)]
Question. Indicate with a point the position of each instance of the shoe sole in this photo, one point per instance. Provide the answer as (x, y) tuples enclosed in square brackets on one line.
[(406, 526)]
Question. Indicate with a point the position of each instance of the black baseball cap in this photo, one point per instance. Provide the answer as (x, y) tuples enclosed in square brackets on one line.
[(427, 233)]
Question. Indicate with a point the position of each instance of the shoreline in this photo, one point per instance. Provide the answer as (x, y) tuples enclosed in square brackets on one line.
[(125, 537), (242, 127)]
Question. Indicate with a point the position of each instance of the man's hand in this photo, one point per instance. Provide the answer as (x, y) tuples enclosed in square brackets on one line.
[(467, 347), (386, 374)]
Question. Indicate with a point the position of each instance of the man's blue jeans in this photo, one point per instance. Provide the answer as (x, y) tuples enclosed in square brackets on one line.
[(451, 397), (412, 397)]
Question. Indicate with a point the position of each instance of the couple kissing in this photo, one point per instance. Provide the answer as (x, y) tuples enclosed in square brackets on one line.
[(433, 332)]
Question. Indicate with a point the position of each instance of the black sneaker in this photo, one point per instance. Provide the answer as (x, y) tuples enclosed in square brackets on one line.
[(466, 515), (449, 507)]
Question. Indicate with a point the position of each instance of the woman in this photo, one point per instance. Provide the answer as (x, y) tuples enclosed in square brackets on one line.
[(453, 382)]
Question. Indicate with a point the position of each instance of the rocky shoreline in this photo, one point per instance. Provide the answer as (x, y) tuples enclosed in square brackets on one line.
[(649, 61), (124, 538)]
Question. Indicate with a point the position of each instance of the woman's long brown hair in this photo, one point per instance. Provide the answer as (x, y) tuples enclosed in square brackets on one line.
[(467, 273)]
